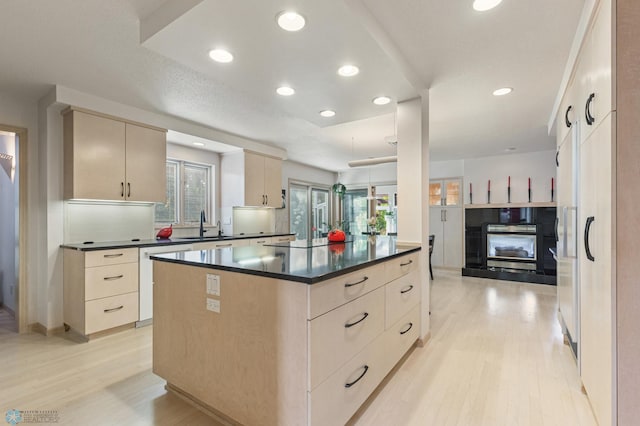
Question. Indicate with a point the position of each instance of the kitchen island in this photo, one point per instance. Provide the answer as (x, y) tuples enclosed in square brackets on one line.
[(285, 334)]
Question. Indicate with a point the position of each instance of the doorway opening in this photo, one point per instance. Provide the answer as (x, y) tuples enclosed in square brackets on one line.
[(12, 229)]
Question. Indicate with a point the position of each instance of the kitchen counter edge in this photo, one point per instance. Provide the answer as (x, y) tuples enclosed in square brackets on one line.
[(288, 277), (163, 242)]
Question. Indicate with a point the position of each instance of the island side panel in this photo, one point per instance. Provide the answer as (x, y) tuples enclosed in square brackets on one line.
[(249, 361)]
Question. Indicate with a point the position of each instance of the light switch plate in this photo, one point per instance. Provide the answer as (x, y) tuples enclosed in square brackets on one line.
[(213, 305), (213, 284)]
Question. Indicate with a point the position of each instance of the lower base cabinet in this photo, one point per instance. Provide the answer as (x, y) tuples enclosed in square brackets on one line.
[(340, 396), (278, 352), (100, 289)]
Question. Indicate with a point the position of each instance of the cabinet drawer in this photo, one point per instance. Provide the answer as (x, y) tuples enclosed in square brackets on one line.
[(110, 257), (400, 336), (400, 296), (109, 312), (338, 335), (333, 403), (111, 280), (332, 293), (400, 266), (259, 241), (283, 239)]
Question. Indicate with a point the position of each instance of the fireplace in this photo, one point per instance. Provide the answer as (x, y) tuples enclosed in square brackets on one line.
[(511, 243), (511, 246)]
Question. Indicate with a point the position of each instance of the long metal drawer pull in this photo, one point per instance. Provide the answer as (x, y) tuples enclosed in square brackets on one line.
[(347, 285), (351, 324), (406, 289), (113, 255), (407, 330), (366, 368), (408, 263), (117, 277), (106, 311), (224, 245)]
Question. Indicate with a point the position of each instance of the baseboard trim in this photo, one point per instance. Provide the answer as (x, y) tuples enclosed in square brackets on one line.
[(8, 309), (36, 327), (205, 408), (423, 340)]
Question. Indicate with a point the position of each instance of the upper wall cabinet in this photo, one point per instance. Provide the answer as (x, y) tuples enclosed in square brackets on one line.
[(251, 179), (110, 159)]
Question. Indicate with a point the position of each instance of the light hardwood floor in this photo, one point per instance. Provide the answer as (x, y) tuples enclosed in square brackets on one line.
[(496, 357)]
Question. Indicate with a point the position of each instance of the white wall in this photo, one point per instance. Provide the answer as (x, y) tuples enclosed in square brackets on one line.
[(8, 227), (21, 112), (301, 173), (539, 166)]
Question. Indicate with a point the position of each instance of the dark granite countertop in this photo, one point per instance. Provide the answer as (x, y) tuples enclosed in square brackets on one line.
[(136, 243), (299, 261)]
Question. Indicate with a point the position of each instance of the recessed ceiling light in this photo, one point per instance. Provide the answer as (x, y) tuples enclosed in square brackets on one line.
[(285, 91), (484, 5), (291, 21), (348, 70), (503, 91), (221, 55), (198, 144), (327, 113), (381, 100)]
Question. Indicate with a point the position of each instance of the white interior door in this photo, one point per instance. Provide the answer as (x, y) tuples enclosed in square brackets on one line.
[(452, 243)]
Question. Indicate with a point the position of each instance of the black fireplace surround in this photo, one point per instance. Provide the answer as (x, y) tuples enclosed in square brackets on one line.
[(542, 270)]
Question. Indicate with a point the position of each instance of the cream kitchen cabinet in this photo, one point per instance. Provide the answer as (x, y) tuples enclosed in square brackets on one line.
[(100, 289), (595, 265), (607, 103), (319, 350), (251, 179), (111, 159)]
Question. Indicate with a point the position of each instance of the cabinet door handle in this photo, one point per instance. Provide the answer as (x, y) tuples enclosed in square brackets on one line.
[(566, 116), (128, 189), (587, 230), (407, 289), (122, 189), (351, 324), (557, 159), (366, 368), (109, 256), (266, 197), (587, 110), (223, 245), (116, 277), (406, 264), (347, 285), (106, 311), (407, 330), (555, 231)]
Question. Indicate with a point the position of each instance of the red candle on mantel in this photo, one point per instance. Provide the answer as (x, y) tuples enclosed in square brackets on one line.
[(529, 183), (551, 183), (509, 181), (489, 185), (470, 188)]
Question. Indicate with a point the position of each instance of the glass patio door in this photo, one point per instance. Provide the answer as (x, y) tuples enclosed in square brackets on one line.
[(355, 212), (309, 211)]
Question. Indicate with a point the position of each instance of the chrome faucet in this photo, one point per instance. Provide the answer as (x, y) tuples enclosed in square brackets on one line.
[(219, 229), (202, 221)]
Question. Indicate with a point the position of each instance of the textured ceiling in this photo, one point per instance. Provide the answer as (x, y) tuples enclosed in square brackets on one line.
[(461, 55)]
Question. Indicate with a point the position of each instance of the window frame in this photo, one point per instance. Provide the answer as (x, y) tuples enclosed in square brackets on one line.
[(182, 165)]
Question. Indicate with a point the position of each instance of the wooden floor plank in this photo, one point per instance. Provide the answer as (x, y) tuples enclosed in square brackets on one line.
[(496, 357)]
